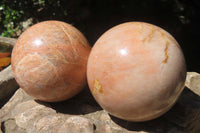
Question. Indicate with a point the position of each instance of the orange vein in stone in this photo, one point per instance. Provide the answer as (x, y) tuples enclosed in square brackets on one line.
[(150, 35), (140, 31), (141, 28), (166, 53), (166, 47), (97, 87)]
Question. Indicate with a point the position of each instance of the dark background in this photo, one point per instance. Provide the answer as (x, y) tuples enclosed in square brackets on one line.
[(181, 18)]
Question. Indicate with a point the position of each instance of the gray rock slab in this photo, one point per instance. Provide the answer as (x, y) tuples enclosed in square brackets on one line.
[(7, 41), (8, 84), (193, 82)]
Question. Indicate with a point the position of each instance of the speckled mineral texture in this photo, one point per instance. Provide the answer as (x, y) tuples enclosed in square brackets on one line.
[(49, 61), (136, 71)]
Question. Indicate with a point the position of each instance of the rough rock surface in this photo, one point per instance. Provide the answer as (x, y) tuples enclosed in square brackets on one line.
[(7, 41), (8, 84), (82, 114), (193, 82)]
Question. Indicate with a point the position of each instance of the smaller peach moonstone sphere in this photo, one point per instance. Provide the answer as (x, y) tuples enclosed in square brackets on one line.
[(136, 71), (49, 61)]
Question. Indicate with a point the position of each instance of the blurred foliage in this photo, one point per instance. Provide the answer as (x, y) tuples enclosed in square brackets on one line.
[(14, 12)]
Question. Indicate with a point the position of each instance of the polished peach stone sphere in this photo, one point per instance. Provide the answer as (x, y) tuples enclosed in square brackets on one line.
[(49, 61), (136, 71)]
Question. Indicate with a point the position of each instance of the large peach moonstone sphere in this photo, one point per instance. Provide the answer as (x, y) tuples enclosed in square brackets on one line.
[(49, 61), (136, 71)]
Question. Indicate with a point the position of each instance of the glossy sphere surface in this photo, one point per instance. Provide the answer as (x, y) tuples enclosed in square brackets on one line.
[(49, 61), (136, 71)]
